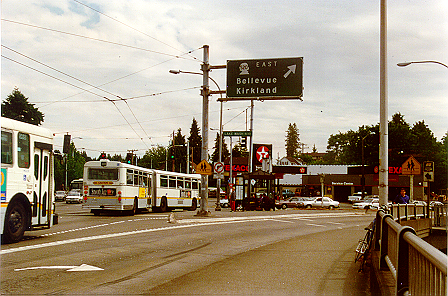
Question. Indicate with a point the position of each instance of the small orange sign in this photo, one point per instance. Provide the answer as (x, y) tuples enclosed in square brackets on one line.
[(411, 167)]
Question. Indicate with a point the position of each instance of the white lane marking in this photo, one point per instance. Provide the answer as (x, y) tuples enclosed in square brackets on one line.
[(283, 221), (97, 226), (187, 223), (318, 225), (82, 267), (335, 223)]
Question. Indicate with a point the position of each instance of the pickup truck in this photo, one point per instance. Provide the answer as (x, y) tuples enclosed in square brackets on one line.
[(356, 197)]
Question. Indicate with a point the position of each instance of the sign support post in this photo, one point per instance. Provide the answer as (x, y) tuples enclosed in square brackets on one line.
[(205, 67)]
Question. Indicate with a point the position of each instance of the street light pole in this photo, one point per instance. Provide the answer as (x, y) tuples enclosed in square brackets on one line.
[(205, 92), (205, 67), (384, 130)]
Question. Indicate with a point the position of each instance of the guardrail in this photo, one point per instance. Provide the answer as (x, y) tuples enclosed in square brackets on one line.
[(417, 267), (408, 211), (440, 216), (405, 212)]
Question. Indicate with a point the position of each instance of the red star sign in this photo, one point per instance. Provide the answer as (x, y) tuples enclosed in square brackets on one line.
[(262, 152)]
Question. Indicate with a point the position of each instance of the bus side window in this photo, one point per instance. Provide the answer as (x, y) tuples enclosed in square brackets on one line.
[(172, 182), (6, 147), (129, 177), (164, 181), (23, 149), (136, 179)]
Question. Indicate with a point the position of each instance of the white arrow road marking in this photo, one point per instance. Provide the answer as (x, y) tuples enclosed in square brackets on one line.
[(292, 69), (82, 267)]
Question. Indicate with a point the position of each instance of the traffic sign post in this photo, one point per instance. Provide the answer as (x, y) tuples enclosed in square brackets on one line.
[(266, 79), (411, 167)]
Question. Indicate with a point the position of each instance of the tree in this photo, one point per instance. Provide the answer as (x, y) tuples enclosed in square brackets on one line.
[(72, 165), (180, 152), (195, 140), (155, 158), (404, 141), (16, 107), (225, 150), (292, 141)]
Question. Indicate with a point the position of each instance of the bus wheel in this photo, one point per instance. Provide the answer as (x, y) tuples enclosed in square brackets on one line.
[(163, 205), (15, 223), (194, 204)]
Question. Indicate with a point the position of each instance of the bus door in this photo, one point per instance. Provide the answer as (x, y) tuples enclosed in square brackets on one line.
[(41, 209), (148, 190), (153, 192)]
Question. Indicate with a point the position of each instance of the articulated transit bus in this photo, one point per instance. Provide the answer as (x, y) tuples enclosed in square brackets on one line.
[(116, 186)]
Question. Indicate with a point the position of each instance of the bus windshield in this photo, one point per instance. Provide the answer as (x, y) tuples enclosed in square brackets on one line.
[(103, 174)]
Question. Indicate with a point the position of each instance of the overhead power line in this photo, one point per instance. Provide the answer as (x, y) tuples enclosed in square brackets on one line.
[(114, 19), (96, 39), (71, 84)]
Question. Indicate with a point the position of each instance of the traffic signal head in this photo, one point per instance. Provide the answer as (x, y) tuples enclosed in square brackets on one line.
[(244, 142), (129, 157), (103, 155)]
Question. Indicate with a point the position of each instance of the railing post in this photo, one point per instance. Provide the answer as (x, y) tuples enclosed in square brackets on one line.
[(402, 282), (377, 235), (384, 241)]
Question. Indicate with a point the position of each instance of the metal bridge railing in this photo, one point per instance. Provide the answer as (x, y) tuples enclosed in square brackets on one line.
[(417, 267)]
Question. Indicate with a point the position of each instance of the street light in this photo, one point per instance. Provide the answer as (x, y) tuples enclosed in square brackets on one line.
[(205, 93), (420, 62)]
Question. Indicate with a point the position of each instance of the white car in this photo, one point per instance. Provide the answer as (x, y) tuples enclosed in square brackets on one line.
[(356, 197), (319, 202), (370, 203), (60, 195), (74, 197)]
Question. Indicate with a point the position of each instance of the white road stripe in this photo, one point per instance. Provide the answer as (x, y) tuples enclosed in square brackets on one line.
[(185, 223)]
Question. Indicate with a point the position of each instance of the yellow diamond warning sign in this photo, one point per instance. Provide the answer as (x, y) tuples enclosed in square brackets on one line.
[(204, 168), (411, 167)]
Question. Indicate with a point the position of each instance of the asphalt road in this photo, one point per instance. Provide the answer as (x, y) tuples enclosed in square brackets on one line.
[(285, 252)]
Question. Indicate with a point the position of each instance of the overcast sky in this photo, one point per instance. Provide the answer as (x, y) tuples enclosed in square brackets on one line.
[(71, 58)]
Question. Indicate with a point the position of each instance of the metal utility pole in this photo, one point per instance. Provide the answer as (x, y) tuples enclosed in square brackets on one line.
[(205, 67), (384, 145), (218, 185)]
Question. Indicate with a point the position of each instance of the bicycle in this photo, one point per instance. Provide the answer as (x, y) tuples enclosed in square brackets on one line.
[(364, 246)]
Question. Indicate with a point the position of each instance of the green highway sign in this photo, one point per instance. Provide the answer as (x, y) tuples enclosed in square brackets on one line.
[(237, 133), (273, 79)]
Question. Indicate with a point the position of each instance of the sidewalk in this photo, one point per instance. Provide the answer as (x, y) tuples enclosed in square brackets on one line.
[(315, 264)]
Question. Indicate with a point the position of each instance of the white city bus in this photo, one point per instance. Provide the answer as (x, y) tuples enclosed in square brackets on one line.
[(27, 182), (113, 185)]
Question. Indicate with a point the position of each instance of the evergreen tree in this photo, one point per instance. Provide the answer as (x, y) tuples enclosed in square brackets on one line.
[(16, 107), (180, 152), (225, 150), (292, 141), (195, 140)]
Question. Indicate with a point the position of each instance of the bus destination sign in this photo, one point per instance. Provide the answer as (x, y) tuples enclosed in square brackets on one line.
[(273, 79)]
